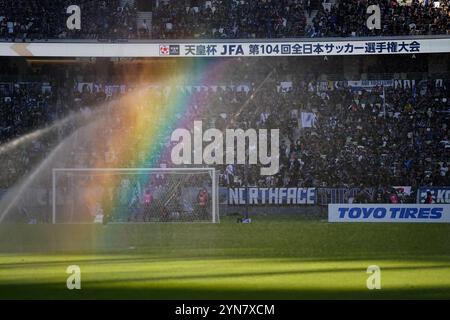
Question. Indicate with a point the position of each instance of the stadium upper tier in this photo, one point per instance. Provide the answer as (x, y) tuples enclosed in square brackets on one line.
[(37, 20)]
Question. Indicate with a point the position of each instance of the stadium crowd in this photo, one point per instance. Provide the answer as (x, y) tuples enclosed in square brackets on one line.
[(230, 19), (46, 19), (284, 19), (115, 19), (349, 19), (360, 138)]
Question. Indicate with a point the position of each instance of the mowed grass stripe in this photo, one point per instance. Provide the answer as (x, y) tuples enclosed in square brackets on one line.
[(268, 259)]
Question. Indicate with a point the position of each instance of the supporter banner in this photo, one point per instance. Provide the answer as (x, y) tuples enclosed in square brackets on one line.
[(372, 84), (363, 84), (389, 213), (440, 195), (342, 195), (284, 86), (267, 196), (229, 49), (403, 190), (308, 119), (109, 90)]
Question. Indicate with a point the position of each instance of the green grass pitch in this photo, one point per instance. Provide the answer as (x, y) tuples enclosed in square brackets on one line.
[(272, 258)]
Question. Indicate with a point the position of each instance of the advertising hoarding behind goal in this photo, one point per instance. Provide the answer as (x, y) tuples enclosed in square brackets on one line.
[(440, 195), (425, 213)]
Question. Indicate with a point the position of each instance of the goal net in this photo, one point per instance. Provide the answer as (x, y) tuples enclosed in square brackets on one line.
[(135, 195)]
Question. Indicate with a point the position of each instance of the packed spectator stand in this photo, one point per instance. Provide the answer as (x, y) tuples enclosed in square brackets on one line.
[(364, 138), (40, 20), (377, 138), (121, 20), (398, 19)]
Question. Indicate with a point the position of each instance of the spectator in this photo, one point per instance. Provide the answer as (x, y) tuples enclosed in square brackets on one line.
[(429, 198)]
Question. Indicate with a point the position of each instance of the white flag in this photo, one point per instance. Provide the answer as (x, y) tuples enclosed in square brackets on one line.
[(308, 119)]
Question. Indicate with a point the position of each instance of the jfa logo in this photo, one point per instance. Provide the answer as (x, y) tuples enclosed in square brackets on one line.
[(164, 50)]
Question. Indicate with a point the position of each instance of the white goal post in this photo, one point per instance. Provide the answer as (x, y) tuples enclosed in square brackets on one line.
[(81, 195)]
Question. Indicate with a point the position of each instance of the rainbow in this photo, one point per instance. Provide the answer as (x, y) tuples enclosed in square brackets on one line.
[(143, 118)]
